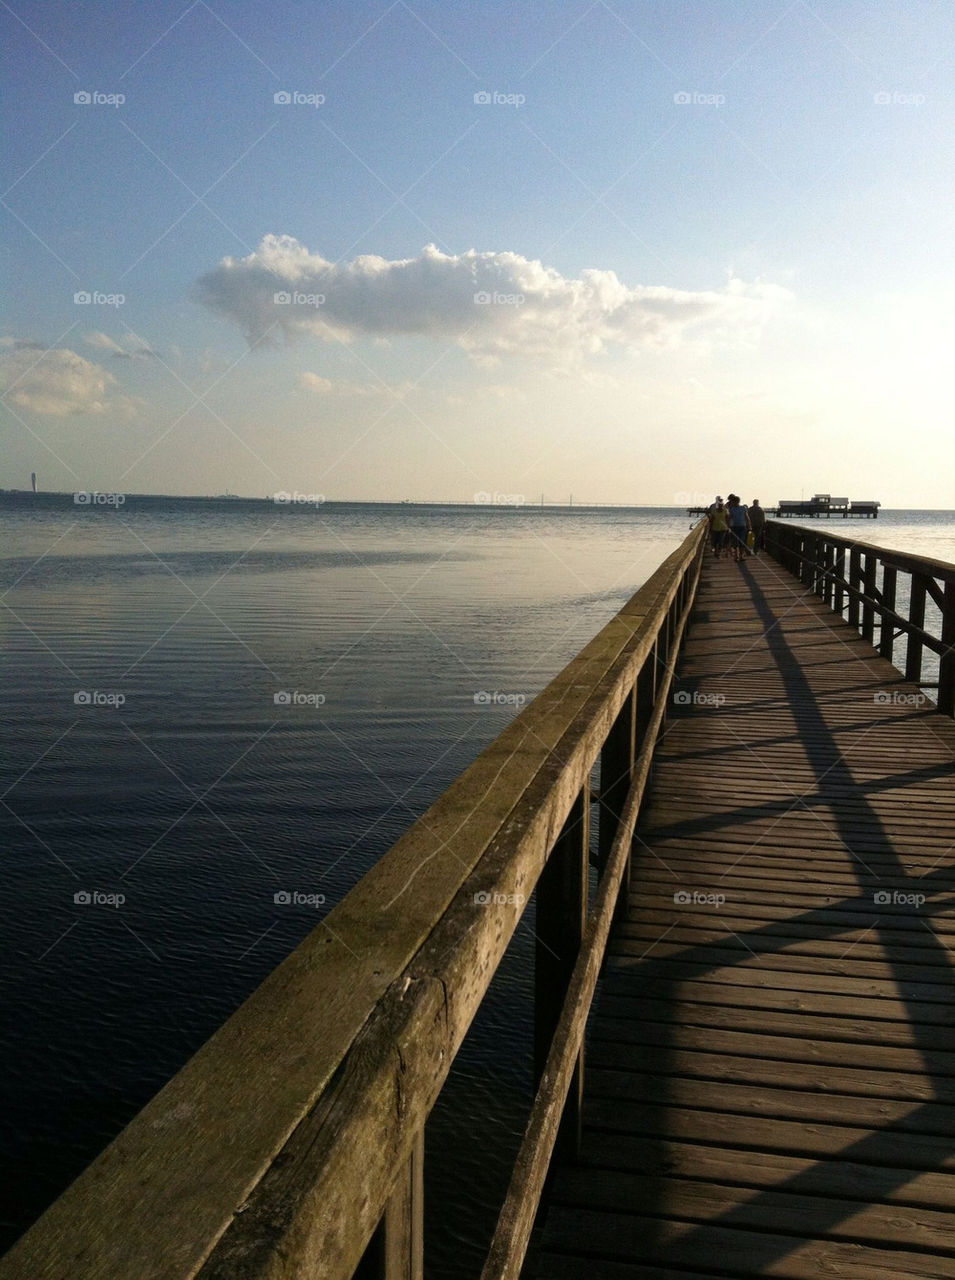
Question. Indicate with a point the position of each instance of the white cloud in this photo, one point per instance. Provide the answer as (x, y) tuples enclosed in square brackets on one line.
[(324, 386), (102, 342), (135, 348), (490, 304), (54, 382)]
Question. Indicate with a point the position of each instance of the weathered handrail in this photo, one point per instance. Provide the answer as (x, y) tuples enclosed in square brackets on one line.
[(867, 592), (291, 1144)]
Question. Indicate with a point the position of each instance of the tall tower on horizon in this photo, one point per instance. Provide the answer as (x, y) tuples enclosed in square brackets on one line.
[(33, 480)]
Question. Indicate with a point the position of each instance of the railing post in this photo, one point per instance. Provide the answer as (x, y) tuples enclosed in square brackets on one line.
[(913, 649), (616, 766), (946, 662), (868, 610), (887, 626), (560, 923), (839, 588), (827, 562), (396, 1251), (645, 695), (855, 577)]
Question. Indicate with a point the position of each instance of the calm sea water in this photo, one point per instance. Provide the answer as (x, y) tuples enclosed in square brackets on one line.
[(145, 755)]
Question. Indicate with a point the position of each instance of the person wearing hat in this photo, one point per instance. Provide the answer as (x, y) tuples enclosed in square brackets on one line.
[(711, 510), (719, 526), (739, 526)]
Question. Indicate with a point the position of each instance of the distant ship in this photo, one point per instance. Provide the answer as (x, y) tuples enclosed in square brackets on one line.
[(823, 504)]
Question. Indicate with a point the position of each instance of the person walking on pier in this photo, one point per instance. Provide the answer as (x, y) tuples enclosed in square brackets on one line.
[(739, 526), (719, 527), (757, 520)]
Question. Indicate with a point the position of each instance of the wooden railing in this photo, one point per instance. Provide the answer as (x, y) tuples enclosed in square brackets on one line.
[(292, 1143), (884, 594)]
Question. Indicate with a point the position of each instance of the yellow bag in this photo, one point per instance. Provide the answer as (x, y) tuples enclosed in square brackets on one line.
[(750, 540)]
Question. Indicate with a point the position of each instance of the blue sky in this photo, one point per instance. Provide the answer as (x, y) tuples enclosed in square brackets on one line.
[(716, 240)]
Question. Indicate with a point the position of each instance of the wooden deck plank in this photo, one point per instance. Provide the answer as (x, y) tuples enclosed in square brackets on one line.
[(771, 1083), (690, 1200), (734, 1251)]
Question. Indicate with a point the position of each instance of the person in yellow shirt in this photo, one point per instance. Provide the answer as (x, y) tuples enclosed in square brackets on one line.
[(719, 527)]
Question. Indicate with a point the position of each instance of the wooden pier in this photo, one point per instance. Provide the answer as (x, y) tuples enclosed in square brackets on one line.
[(771, 1068), (768, 1078)]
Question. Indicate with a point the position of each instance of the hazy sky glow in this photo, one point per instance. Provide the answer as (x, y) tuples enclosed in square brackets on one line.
[(640, 252)]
